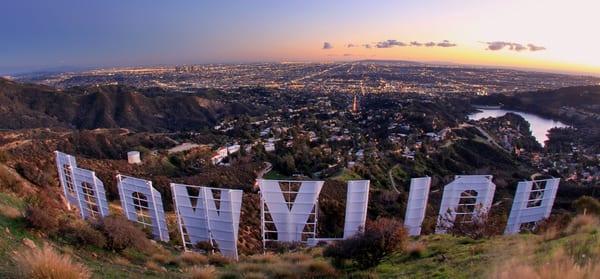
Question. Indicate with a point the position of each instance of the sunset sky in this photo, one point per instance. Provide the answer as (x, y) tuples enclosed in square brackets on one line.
[(548, 35)]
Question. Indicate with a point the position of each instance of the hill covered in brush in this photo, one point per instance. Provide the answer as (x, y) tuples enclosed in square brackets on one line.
[(25, 106)]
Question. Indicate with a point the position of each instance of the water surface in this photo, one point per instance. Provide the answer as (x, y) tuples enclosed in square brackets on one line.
[(538, 125)]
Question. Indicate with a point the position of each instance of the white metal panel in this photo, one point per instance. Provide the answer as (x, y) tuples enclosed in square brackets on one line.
[(289, 223), (417, 204), (530, 204), (200, 218), (192, 214), (143, 204), (65, 164), (357, 202), (90, 193), (224, 221), (482, 184)]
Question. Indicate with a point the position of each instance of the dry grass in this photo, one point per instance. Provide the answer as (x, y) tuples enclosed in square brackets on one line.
[(191, 258), (218, 260), (10, 212), (196, 272), (582, 223), (559, 266), (296, 257), (162, 258), (320, 269), (46, 263), (152, 265), (262, 258), (255, 275), (121, 261), (293, 265)]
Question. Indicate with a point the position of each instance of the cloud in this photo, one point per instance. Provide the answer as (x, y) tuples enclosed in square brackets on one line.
[(394, 43), (446, 43), (499, 45), (518, 47), (533, 47), (327, 45), (389, 43)]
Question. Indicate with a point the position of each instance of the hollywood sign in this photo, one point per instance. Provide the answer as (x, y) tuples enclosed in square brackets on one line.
[(289, 208)]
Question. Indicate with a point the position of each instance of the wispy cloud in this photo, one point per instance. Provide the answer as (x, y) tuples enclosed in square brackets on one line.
[(446, 43), (533, 47), (389, 43), (327, 45), (394, 43), (499, 45)]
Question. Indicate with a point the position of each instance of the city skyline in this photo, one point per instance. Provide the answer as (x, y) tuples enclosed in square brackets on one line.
[(524, 35)]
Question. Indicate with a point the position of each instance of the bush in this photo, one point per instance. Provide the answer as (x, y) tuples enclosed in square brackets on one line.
[(46, 263), (79, 232), (587, 205), (122, 234), (42, 219), (367, 249)]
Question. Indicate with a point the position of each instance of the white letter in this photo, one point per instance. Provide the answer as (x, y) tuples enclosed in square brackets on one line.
[(143, 204), (417, 204), (357, 202), (463, 196), (533, 202)]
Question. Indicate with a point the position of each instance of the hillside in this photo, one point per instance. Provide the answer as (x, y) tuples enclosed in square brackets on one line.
[(25, 106), (557, 252), (580, 104)]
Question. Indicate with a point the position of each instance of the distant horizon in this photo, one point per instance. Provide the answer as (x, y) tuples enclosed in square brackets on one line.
[(81, 69), (523, 34)]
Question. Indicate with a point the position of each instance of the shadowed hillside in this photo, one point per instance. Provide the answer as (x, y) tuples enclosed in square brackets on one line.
[(33, 106)]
